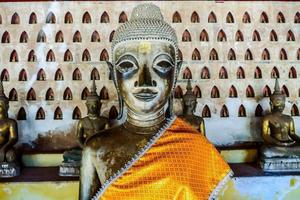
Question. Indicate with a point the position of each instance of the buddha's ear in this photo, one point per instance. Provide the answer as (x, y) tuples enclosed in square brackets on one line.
[(111, 71), (110, 66), (179, 64)]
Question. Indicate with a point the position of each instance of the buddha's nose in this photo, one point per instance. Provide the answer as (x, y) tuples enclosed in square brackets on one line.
[(145, 78)]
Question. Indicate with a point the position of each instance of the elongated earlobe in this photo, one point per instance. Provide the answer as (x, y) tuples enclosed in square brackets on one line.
[(179, 64), (169, 111), (120, 99)]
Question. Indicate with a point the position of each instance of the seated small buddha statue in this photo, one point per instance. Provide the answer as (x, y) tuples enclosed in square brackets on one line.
[(281, 143), (86, 127), (9, 166), (189, 106), (152, 154)]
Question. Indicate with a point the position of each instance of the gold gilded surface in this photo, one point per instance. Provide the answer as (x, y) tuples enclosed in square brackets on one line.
[(182, 164)]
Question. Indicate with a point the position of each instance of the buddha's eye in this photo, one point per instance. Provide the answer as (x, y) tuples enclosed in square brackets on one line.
[(126, 65), (163, 64)]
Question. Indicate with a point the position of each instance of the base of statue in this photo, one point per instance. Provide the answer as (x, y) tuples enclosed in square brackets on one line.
[(69, 169), (280, 159), (280, 164), (8, 170)]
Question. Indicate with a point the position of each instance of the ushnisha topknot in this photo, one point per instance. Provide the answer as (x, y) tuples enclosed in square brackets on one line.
[(93, 96), (189, 93), (146, 23), (277, 92)]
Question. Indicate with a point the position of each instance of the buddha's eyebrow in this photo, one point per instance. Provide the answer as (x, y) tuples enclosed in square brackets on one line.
[(126, 56), (164, 54)]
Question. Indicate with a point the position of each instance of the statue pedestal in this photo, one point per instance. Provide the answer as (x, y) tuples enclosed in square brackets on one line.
[(8, 170), (280, 164), (280, 159), (69, 169)]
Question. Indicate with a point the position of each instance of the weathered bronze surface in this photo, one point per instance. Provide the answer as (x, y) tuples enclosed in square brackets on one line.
[(189, 106), (8, 137), (144, 70), (86, 127)]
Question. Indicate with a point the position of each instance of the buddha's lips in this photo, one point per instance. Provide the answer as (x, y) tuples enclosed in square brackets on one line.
[(145, 95)]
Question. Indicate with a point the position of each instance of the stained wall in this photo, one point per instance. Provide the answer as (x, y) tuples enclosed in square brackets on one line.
[(231, 51)]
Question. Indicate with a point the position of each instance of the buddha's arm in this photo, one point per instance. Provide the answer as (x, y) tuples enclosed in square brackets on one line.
[(79, 133), (202, 128), (89, 182), (13, 136), (292, 132), (107, 125)]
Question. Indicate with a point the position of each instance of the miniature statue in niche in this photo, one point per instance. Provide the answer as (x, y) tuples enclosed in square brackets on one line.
[(9, 166), (189, 106), (151, 145), (86, 127), (280, 151)]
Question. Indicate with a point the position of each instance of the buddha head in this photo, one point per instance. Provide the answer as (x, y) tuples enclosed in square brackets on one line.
[(145, 61), (93, 103), (189, 100), (277, 100), (3, 102)]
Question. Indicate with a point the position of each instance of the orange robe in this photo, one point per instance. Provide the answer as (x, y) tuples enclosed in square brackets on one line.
[(180, 165)]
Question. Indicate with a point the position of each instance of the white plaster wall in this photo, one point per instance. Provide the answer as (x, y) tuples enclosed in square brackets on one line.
[(221, 131)]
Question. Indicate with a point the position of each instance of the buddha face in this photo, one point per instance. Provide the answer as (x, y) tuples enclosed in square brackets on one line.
[(93, 107), (145, 72), (277, 103), (189, 104)]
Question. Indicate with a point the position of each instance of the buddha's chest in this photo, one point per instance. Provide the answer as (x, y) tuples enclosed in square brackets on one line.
[(111, 158), (92, 126), (280, 129)]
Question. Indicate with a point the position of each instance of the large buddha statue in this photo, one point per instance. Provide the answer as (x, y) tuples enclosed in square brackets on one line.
[(189, 106), (152, 154), (9, 166), (281, 150), (86, 127)]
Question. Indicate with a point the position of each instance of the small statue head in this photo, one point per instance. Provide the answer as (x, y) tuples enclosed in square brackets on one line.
[(189, 100), (145, 60), (3, 101), (277, 100), (93, 103)]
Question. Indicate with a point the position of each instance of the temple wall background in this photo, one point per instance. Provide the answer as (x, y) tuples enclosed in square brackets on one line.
[(230, 58)]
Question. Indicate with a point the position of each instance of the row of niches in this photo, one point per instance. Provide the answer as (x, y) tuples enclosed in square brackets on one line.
[(213, 55), (58, 76), (41, 114), (185, 74), (176, 18), (67, 94), (220, 36), (50, 94), (67, 56), (113, 112)]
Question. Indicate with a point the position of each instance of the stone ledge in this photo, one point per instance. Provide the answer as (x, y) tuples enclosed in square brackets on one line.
[(38, 174)]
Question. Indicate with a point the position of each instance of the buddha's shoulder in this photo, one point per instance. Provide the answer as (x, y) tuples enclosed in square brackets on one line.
[(11, 121), (105, 136)]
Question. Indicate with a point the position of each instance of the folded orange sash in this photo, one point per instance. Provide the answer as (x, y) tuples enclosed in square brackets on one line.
[(180, 165)]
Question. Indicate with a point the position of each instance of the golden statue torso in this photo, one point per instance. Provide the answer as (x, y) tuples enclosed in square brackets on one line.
[(280, 127)]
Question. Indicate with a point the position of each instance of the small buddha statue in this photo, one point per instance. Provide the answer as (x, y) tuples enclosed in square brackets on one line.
[(151, 154), (281, 143), (86, 127), (189, 106), (9, 166)]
